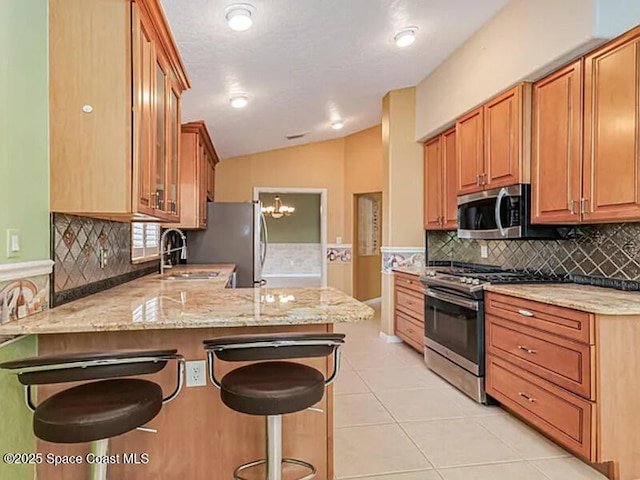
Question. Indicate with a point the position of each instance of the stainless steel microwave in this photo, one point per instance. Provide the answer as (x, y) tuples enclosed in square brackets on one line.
[(502, 213)]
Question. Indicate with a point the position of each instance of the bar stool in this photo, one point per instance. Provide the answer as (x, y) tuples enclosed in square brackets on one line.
[(96, 411), (273, 388)]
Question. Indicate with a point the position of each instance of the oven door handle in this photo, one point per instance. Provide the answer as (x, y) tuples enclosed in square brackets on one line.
[(454, 299), (503, 193)]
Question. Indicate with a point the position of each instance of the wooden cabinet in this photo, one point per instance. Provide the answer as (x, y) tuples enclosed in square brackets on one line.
[(586, 130), (569, 373), (197, 163), (611, 178), (556, 163), (493, 142), (440, 183), (115, 84), (409, 309)]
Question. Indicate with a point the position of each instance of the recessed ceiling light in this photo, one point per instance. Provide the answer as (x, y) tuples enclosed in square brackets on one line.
[(239, 101), (239, 16), (337, 125), (405, 37)]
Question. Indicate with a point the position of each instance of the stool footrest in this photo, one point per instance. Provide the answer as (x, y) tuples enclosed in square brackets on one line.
[(291, 461)]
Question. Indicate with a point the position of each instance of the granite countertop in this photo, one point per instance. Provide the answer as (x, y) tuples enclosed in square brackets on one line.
[(598, 300), (154, 303)]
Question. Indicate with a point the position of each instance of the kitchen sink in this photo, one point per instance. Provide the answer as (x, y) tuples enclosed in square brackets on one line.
[(193, 276)]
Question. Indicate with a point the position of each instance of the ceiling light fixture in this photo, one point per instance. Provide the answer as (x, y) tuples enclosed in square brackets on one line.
[(239, 101), (239, 16), (405, 37), (337, 125), (277, 210)]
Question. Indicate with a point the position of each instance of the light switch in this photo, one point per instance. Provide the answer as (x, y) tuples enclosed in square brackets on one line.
[(338, 240), (13, 243)]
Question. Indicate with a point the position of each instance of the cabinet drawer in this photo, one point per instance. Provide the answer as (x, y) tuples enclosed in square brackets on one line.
[(410, 331), (412, 282), (410, 303), (563, 362), (567, 418), (571, 324)]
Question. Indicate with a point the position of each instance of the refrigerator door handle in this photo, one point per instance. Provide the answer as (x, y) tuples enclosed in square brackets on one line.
[(265, 239)]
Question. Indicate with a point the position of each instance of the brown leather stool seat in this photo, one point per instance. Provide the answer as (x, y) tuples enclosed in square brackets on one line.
[(97, 410), (272, 388)]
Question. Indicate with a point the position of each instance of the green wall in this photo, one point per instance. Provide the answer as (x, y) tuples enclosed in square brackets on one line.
[(24, 127), (15, 425), (303, 226), (24, 187)]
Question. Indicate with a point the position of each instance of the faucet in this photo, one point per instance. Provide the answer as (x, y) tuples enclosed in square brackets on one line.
[(183, 249)]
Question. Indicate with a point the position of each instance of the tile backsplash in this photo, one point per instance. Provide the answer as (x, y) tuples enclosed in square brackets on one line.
[(76, 246), (611, 251)]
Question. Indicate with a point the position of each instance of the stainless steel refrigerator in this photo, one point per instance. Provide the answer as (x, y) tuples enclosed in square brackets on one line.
[(236, 233)]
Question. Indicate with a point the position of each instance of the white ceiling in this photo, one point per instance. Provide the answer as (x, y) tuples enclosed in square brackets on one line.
[(307, 62)]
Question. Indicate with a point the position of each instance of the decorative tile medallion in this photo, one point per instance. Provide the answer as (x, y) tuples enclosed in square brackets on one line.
[(24, 289), (339, 253), (401, 257)]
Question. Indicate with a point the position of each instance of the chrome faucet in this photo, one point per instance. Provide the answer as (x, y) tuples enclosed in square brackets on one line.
[(183, 249)]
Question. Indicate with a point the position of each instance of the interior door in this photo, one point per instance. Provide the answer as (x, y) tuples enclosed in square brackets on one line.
[(433, 177), (449, 183), (611, 176), (470, 151), (502, 139), (556, 168)]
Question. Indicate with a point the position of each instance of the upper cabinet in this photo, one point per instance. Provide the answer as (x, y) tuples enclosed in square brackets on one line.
[(116, 79), (556, 163), (586, 164), (198, 158), (440, 183), (611, 173), (493, 142)]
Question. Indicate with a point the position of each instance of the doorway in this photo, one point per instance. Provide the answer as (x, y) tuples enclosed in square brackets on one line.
[(367, 240), (296, 242)]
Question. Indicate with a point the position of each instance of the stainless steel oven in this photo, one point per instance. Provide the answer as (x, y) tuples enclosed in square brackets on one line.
[(454, 339)]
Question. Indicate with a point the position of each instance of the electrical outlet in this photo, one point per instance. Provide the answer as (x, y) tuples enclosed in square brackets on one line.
[(484, 251), (196, 372)]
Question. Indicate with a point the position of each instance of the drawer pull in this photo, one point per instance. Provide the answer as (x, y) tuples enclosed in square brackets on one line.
[(527, 397), (525, 313), (525, 349)]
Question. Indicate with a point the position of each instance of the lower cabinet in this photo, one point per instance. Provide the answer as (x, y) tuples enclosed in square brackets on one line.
[(571, 375), (409, 309)]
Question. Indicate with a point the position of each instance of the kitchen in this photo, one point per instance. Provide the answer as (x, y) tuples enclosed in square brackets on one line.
[(596, 241)]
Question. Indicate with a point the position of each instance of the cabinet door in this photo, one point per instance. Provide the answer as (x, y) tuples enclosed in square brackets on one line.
[(449, 182), (144, 152), (202, 178), (556, 173), (470, 152), (174, 149), (161, 138), (611, 177), (502, 129), (433, 184)]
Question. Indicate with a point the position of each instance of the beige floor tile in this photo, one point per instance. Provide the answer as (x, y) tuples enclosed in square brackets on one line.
[(567, 469), (458, 442), (406, 378), (380, 359), (424, 404), (345, 364), (410, 356), (500, 471), (360, 409), (423, 475), (375, 450), (523, 439), (469, 407), (349, 381)]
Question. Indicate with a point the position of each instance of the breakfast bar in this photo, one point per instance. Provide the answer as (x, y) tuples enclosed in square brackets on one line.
[(196, 436)]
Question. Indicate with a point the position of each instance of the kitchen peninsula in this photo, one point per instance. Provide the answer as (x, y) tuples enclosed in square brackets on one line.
[(156, 312)]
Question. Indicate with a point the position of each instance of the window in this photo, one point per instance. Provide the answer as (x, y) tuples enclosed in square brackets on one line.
[(145, 241)]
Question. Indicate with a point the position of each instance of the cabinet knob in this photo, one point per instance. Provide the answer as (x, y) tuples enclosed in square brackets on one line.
[(525, 313), (87, 108)]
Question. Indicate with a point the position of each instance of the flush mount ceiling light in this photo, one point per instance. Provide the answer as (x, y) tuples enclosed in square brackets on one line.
[(337, 125), (239, 16), (405, 37), (239, 101)]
